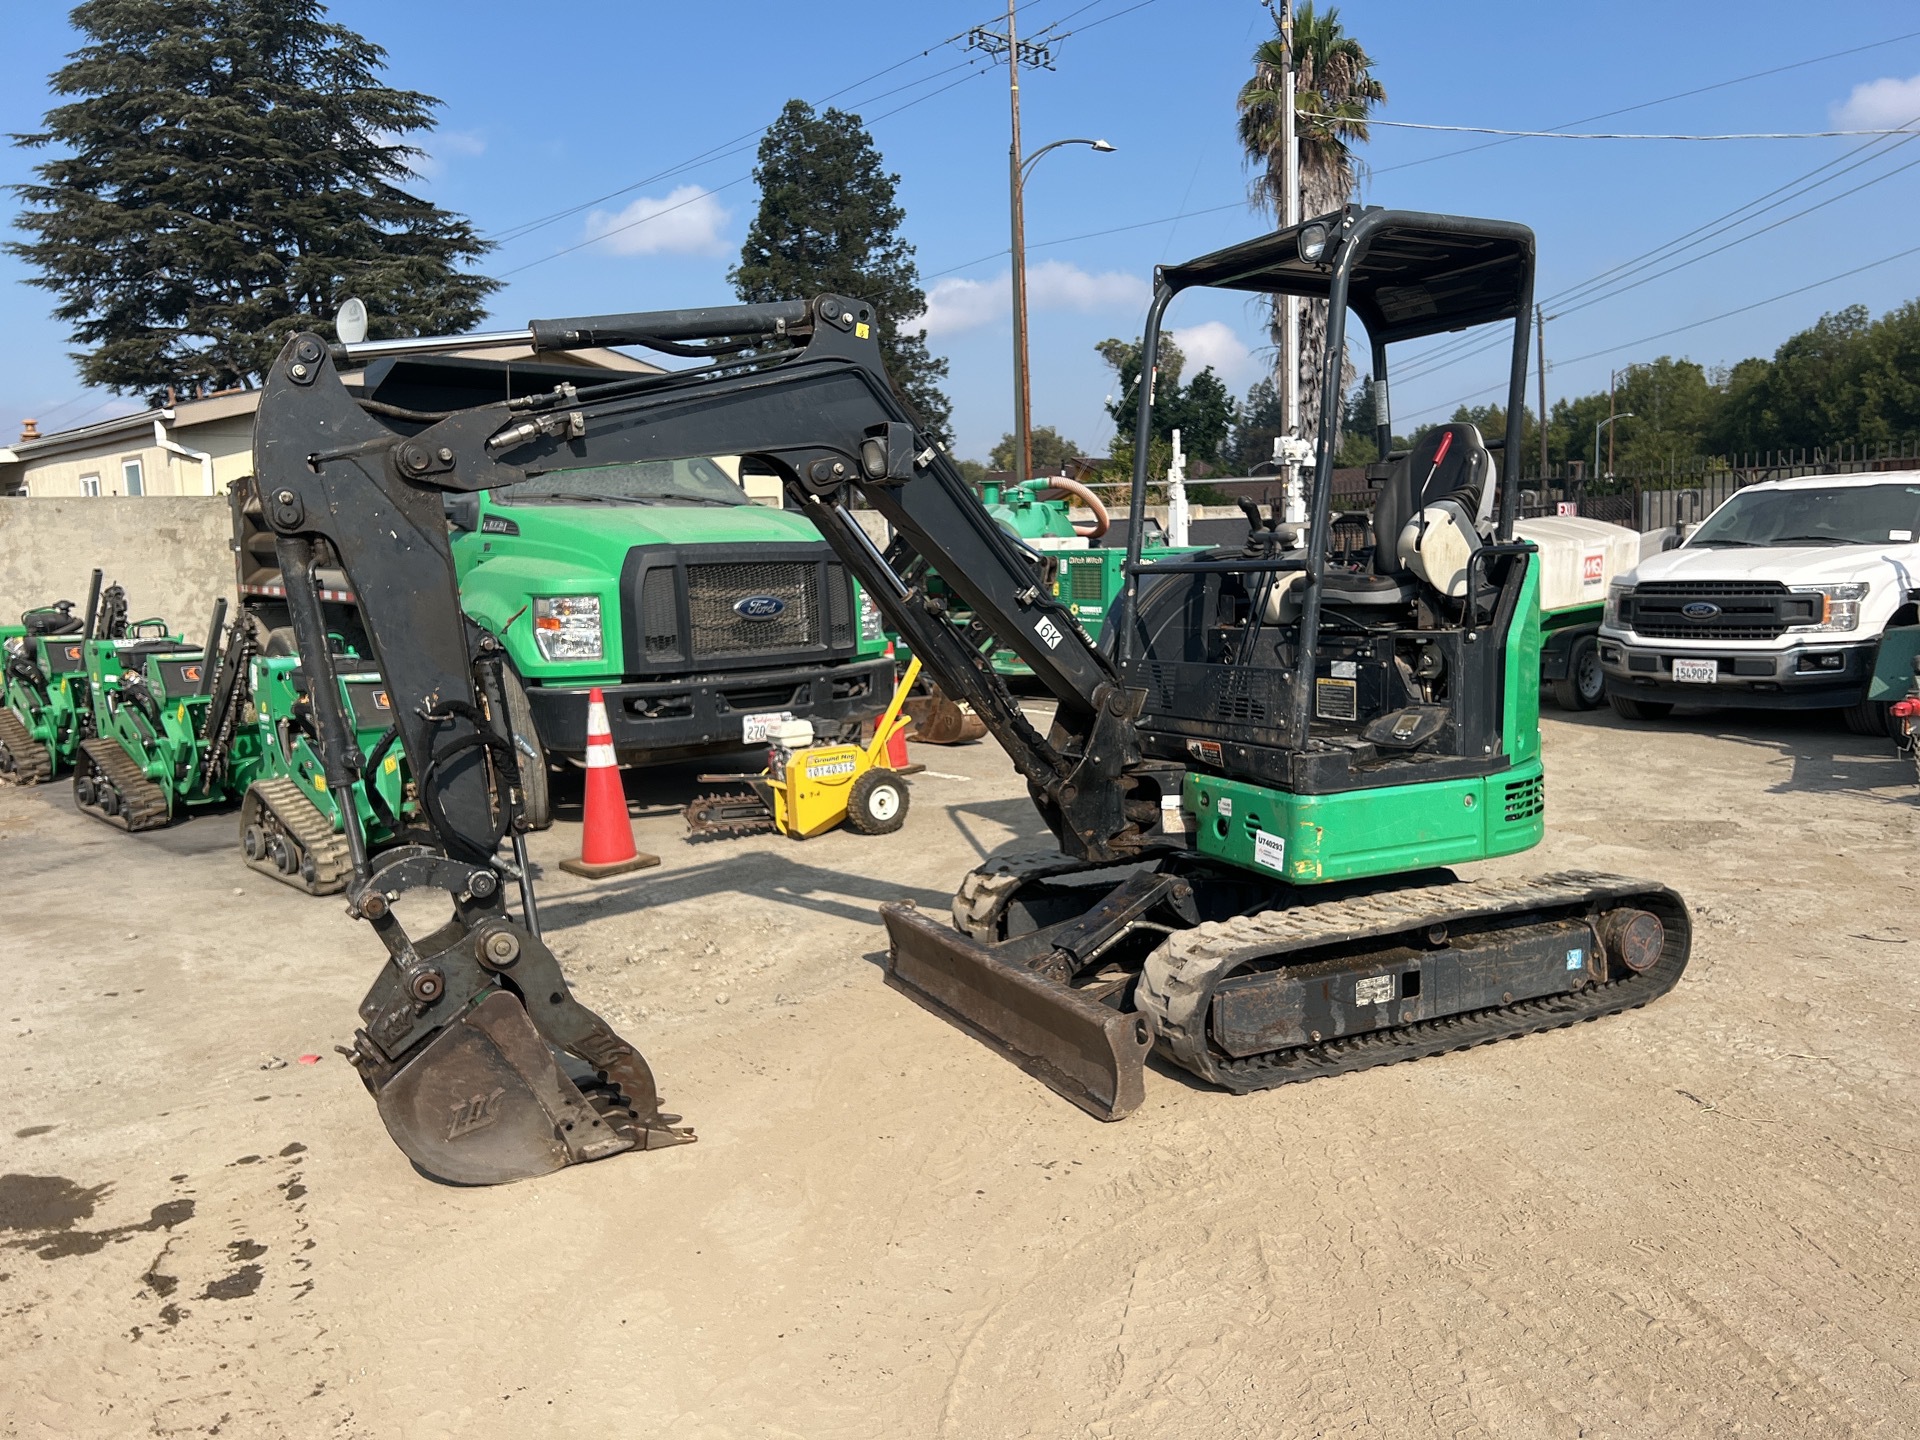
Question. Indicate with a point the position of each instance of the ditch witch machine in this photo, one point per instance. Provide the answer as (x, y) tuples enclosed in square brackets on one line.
[(1253, 783)]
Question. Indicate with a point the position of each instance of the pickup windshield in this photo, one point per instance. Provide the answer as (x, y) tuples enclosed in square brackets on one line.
[(655, 482), (1837, 515)]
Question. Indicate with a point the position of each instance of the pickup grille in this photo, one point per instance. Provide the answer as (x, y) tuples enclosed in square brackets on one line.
[(1745, 610)]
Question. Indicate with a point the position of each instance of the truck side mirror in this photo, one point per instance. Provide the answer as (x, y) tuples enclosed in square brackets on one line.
[(463, 512)]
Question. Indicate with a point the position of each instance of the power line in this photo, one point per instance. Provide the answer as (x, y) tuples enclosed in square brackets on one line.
[(710, 190), (724, 148), (1681, 329), (1619, 134), (749, 138), (1667, 99), (1464, 347)]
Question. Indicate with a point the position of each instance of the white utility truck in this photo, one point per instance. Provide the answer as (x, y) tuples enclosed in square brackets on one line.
[(1776, 601)]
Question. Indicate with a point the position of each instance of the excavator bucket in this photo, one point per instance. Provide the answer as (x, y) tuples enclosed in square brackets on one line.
[(484, 1102), (939, 719), (1088, 1052)]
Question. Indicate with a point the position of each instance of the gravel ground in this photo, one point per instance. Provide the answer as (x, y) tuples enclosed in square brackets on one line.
[(1692, 1220)]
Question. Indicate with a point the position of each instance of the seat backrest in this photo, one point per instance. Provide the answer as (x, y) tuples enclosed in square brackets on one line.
[(1448, 462)]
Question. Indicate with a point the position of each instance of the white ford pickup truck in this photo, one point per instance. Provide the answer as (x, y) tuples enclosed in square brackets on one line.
[(1776, 601)]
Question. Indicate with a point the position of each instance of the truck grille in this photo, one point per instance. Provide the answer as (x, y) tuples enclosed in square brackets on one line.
[(1746, 610), (719, 629), (731, 608)]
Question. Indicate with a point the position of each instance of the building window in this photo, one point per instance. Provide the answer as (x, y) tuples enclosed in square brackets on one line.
[(89, 484), (130, 472)]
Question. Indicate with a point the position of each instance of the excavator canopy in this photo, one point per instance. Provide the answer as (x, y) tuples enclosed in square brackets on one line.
[(1412, 273)]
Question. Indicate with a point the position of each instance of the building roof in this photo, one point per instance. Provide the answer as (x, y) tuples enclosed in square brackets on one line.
[(185, 414)]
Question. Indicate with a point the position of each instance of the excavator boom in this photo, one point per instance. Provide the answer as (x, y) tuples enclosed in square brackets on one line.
[(1269, 733)]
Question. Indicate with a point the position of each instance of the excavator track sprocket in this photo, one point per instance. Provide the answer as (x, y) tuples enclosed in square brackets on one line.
[(23, 759), (737, 813), (110, 786), (283, 834)]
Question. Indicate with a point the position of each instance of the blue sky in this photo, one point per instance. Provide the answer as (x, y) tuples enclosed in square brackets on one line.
[(606, 95)]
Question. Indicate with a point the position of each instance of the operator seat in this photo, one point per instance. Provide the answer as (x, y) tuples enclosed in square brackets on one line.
[(1426, 522)]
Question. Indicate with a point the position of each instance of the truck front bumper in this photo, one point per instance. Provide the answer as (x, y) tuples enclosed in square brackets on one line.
[(1811, 676), (660, 720)]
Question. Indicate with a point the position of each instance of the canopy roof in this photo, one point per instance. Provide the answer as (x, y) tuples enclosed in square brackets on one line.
[(1413, 274)]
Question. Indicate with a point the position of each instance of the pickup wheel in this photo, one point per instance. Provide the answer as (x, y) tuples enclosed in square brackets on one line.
[(877, 803), (1586, 684), (532, 753), (1628, 708), (1868, 717)]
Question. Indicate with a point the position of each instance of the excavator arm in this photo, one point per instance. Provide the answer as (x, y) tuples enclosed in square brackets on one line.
[(457, 1028)]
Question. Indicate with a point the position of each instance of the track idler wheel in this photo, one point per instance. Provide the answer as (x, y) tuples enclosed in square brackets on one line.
[(1635, 938)]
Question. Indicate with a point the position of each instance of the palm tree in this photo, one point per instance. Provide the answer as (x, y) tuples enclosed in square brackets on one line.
[(1334, 92)]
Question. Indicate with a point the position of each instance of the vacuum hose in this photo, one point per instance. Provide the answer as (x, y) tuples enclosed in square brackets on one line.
[(1093, 528)]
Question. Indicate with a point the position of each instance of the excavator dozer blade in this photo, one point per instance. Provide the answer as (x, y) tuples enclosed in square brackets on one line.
[(1077, 1047), (484, 1102)]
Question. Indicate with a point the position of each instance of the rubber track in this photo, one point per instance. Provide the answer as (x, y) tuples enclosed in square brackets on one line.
[(1176, 986), (980, 904), (143, 804), (31, 763), (300, 818)]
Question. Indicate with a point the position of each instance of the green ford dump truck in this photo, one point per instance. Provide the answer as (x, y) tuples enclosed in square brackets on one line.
[(702, 617)]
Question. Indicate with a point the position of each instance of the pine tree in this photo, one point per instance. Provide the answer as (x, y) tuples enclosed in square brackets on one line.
[(234, 169), (828, 222)]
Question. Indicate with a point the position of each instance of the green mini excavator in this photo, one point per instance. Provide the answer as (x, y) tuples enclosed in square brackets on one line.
[(1256, 782)]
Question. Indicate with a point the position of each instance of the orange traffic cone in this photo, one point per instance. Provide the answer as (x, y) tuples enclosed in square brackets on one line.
[(606, 839)]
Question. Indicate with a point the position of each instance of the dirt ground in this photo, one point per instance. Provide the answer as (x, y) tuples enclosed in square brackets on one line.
[(1692, 1220)]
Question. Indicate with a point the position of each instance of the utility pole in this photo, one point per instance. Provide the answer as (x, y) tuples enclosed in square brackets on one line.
[(1289, 216), (1540, 330), (1017, 52)]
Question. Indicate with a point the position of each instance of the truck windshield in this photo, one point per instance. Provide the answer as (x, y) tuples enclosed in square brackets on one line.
[(1839, 515), (672, 482)]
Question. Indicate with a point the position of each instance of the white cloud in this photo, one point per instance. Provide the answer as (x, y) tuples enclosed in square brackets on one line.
[(1213, 342), (1058, 285), (954, 304), (686, 221), (468, 143), (1886, 104)]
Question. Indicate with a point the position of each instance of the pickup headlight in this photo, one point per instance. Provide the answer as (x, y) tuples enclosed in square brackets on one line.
[(567, 627), (1617, 590), (871, 625), (1840, 607)]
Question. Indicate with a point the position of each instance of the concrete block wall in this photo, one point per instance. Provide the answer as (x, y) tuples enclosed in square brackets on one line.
[(170, 552)]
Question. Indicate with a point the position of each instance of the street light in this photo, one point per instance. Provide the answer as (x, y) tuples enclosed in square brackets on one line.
[(1623, 415), (1022, 422)]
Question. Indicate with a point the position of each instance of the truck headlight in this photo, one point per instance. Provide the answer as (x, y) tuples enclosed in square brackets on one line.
[(872, 627), (567, 627), (1840, 605), (1617, 590)]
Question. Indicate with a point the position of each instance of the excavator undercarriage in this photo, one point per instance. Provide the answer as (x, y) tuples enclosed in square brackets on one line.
[(1258, 781)]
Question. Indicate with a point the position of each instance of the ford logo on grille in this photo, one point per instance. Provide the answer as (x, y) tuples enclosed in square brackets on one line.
[(767, 607), (1700, 610)]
